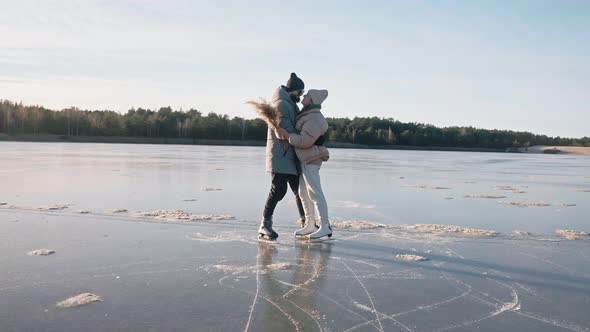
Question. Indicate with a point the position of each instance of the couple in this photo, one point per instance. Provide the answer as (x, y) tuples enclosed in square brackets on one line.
[(294, 155)]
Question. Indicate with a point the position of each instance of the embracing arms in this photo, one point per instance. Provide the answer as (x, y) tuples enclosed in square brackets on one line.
[(310, 132)]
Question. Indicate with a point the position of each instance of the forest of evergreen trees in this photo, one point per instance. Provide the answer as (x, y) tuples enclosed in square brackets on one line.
[(16, 119)]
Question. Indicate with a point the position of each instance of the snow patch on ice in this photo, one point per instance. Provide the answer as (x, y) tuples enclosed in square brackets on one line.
[(567, 204), (502, 187), (483, 196), (53, 207), (118, 211), (424, 186), (411, 258), (514, 304), (520, 233), (440, 228), (510, 189), (175, 215), (42, 252), (79, 300), (356, 224), (212, 189), (524, 204), (571, 234)]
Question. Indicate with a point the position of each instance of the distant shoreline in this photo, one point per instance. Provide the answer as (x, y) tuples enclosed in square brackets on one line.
[(187, 141), (45, 138), (552, 149)]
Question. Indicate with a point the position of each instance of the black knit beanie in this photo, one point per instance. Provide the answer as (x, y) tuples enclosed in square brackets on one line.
[(294, 83)]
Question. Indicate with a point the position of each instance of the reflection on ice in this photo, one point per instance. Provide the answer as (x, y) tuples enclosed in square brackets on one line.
[(199, 273)]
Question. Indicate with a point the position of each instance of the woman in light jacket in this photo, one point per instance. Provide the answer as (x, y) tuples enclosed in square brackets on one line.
[(311, 152)]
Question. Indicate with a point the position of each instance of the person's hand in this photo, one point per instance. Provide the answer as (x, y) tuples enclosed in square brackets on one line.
[(277, 134), (281, 133)]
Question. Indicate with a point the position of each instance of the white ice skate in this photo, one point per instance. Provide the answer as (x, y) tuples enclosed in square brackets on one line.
[(309, 228), (324, 230)]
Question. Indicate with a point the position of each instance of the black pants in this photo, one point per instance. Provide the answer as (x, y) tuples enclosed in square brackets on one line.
[(278, 191)]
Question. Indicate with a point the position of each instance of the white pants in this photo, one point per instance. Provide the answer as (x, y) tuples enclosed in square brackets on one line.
[(312, 196)]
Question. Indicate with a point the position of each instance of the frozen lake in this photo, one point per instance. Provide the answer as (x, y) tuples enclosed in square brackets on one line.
[(379, 186), (174, 274)]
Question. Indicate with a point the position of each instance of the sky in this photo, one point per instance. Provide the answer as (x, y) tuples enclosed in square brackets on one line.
[(519, 65)]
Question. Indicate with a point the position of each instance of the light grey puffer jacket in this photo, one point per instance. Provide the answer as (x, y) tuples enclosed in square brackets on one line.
[(277, 160)]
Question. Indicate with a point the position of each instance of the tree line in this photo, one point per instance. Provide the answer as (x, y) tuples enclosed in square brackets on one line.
[(16, 118)]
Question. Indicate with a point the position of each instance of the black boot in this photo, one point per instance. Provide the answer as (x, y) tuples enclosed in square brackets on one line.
[(265, 231)]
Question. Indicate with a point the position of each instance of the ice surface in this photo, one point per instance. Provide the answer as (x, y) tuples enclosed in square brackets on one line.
[(219, 277), (216, 275), (358, 184)]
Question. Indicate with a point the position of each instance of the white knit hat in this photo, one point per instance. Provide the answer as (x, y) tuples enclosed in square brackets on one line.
[(317, 96)]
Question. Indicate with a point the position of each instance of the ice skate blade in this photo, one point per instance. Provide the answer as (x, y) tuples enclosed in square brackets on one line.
[(321, 239), (302, 236), (266, 238)]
